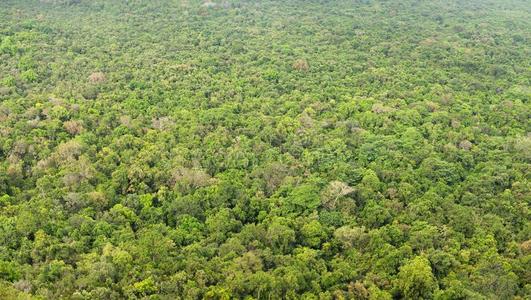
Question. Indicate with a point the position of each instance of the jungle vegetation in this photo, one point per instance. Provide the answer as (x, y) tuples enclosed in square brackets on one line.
[(245, 149)]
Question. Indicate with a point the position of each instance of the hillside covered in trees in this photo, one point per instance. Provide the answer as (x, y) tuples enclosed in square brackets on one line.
[(245, 149)]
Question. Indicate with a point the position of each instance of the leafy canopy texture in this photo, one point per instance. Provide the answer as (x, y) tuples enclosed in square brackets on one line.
[(416, 280), (245, 149)]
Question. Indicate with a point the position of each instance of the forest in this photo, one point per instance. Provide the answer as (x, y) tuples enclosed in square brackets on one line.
[(265, 149)]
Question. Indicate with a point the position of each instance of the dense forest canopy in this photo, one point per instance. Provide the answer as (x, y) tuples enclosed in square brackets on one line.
[(183, 149)]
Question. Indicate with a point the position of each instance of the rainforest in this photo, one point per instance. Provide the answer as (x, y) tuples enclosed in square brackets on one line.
[(265, 149)]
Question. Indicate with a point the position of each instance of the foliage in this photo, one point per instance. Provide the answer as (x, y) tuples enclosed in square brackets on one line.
[(346, 149)]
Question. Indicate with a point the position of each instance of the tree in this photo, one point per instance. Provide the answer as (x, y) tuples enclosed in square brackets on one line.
[(313, 233), (333, 192), (415, 279), (304, 197), (280, 235), (301, 65)]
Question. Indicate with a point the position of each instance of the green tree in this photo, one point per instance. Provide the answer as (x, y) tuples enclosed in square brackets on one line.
[(415, 279)]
